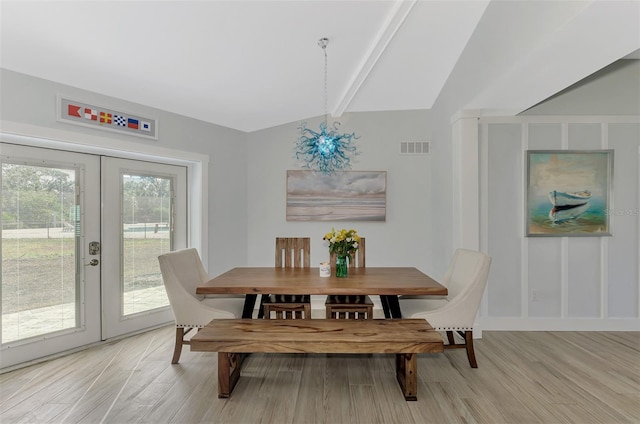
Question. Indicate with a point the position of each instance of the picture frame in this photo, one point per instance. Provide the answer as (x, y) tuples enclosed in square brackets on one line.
[(568, 193), (341, 196), (89, 115)]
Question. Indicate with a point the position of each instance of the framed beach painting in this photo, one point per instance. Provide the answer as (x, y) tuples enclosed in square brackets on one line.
[(342, 196), (568, 192)]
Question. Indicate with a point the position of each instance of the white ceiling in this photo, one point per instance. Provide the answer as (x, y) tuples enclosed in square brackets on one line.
[(255, 64)]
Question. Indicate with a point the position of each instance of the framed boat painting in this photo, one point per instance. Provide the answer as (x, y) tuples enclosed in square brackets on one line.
[(568, 192)]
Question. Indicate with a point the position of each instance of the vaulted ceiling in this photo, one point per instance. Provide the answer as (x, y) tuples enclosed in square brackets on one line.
[(255, 64)]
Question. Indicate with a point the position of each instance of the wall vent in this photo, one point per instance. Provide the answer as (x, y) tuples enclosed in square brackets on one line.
[(414, 147)]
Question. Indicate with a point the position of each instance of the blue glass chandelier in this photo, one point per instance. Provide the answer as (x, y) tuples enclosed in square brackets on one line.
[(326, 150)]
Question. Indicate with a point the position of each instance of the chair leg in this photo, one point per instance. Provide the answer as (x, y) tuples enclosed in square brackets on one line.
[(178, 348), (450, 338), (468, 345), (263, 297), (468, 339)]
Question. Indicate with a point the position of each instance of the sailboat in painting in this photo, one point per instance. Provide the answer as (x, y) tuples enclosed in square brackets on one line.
[(568, 205), (569, 198)]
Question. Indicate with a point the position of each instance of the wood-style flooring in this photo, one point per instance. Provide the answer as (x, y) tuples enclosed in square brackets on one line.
[(523, 377)]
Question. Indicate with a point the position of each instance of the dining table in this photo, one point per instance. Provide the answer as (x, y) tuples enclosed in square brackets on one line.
[(386, 282)]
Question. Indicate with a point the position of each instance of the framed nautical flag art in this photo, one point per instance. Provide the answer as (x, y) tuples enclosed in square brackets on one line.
[(102, 118), (568, 192)]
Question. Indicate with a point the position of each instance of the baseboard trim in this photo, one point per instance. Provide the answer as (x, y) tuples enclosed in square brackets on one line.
[(557, 324)]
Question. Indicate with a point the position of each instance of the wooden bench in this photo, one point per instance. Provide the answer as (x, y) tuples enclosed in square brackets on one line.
[(403, 337)]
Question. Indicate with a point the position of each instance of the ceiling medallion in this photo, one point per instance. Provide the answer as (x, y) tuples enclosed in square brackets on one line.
[(326, 150)]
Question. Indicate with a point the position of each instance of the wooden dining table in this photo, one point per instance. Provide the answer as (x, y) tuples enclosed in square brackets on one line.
[(386, 282)]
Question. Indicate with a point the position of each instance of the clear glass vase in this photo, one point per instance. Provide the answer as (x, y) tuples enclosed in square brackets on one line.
[(342, 267)]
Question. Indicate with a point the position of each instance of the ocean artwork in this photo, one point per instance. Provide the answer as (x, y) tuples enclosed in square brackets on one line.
[(342, 196), (568, 192)]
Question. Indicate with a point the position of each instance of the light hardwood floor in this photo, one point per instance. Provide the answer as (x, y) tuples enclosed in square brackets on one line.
[(523, 377)]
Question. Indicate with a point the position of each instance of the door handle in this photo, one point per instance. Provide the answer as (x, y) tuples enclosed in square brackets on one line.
[(94, 262)]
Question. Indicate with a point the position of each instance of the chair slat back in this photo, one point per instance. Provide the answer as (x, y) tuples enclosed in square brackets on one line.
[(293, 252), (358, 259)]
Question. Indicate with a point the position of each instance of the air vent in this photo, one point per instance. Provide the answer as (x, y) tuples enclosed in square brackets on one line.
[(414, 147)]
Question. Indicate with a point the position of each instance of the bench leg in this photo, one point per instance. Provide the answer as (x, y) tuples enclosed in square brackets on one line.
[(228, 372), (407, 374)]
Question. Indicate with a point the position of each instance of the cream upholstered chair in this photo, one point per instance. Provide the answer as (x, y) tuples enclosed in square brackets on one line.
[(465, 281), (291, 252), (350, 307), (182, 271)]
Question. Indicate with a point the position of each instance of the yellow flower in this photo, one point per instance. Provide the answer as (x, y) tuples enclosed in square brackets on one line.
[(343, 242)]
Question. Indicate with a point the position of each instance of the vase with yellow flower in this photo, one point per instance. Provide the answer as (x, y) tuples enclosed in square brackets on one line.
[(343, 243)]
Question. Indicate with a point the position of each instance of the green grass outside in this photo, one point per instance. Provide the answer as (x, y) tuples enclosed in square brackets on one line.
[(40, 272)]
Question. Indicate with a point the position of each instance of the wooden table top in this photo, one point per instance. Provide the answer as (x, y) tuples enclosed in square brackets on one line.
[(362, 281)]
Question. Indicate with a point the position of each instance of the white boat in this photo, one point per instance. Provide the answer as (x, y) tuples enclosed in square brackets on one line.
[(566, 213), (569, 198)]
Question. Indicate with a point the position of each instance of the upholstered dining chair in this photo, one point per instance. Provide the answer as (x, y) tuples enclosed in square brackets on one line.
[(182, 271), (465, 280), (350, 307), (291, 252)]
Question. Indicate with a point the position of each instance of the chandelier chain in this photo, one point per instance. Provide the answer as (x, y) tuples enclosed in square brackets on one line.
[(323, 43)]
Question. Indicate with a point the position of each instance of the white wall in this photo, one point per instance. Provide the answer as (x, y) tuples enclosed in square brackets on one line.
[(558, 283), (614, 90), (30, 103), (565, 283), (405, 237)]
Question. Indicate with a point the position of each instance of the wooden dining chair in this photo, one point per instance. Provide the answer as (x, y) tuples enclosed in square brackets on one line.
[(350, 307), (291, 252)]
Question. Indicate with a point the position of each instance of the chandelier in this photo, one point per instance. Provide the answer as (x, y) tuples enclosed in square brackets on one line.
[(326, 150)]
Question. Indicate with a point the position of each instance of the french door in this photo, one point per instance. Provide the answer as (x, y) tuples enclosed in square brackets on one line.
[(143, 216), (50, 286), (80, 238)]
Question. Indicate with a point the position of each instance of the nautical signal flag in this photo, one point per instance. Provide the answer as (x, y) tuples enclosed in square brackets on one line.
[(74, 110), (90, 114), (105, 118), (120, 121)]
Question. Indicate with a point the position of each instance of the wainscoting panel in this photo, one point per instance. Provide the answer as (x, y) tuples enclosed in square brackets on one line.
[(559, 283)]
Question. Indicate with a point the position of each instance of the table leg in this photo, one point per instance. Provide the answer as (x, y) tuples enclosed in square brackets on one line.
[(249, 305), (391, 306), (394, 306), (261, 306), (385, 306)]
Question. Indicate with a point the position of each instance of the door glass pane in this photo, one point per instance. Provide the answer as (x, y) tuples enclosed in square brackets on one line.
[(146, 234), (40, 228)]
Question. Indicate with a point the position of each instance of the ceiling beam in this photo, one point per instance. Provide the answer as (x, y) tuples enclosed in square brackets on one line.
[(394, 21)]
